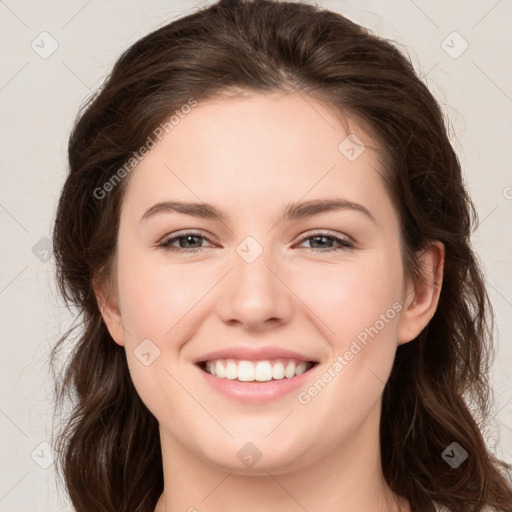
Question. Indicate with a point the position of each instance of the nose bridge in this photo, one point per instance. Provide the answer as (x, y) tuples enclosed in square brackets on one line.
[(253, 294)]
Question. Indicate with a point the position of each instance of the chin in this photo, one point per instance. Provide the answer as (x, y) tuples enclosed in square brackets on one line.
[(256, 458)]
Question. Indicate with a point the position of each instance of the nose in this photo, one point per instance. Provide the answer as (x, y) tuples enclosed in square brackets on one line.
[(255, 294)]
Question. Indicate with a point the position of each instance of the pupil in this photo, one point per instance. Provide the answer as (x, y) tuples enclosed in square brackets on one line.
[(188, 239), (316, 238)]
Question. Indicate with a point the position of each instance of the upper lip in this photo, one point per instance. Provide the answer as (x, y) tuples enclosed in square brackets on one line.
[(253, 354)]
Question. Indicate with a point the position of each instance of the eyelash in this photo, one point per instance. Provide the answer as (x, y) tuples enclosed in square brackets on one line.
[(166, 244)]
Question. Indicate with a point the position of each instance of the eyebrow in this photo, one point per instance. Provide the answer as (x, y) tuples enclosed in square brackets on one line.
[(293, 211)]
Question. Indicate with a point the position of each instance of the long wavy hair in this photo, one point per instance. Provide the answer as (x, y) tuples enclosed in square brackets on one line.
[(109, 453)]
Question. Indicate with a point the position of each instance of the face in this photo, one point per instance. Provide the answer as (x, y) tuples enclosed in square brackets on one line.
[(269, 282)]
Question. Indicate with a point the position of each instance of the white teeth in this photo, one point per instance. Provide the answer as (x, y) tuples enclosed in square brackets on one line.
[(301, 368), (289, 371), (231, 369), (261, 371), (245, 371), (219, 370), (278, 371)]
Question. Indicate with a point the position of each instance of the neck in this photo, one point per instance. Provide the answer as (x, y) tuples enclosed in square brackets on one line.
[(347, 479)]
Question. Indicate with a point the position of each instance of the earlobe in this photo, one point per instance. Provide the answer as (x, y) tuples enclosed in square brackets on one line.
[(422, 295), (108, 305)]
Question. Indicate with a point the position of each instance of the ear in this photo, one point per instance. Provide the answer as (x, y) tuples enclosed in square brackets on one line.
[(108, 304), (422, 295)]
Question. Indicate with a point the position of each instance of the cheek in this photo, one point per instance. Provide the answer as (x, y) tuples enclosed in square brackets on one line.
[(360, 306), (355, 296), (157, 303), (155, 298)]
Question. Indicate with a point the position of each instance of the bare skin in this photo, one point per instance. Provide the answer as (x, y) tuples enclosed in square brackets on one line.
[(250, 157)]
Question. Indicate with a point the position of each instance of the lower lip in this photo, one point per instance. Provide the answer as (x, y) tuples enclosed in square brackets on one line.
[(256, 392)]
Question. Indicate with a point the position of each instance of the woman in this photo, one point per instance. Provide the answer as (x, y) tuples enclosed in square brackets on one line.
[(324, 342)]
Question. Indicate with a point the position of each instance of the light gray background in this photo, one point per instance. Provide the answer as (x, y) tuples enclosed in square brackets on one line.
[(40, 97)]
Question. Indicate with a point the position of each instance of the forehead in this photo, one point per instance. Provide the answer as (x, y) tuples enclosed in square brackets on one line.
[(274, 148)]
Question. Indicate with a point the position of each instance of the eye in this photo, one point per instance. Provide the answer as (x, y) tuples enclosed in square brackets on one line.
[(195, 238), (325, 240), (184, 239)]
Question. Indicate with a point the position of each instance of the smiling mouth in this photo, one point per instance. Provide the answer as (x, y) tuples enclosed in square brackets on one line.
[(256, 371)]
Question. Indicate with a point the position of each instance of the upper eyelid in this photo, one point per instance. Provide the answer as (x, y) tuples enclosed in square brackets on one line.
[(303, 237), (184, 234)]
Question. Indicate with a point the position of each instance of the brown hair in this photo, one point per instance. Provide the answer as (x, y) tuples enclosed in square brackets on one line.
[(438, 391)]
